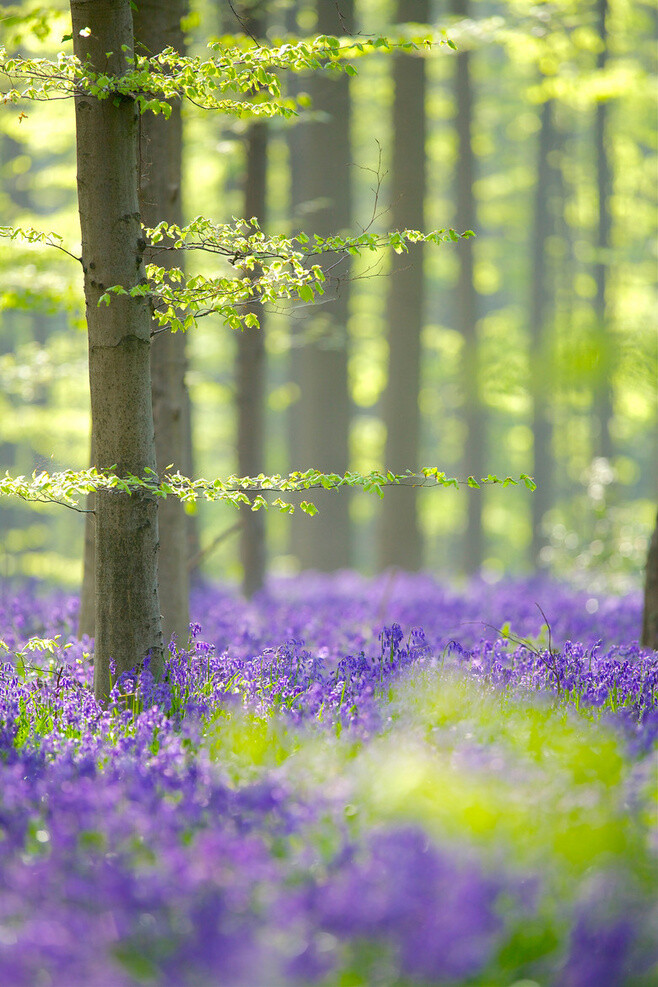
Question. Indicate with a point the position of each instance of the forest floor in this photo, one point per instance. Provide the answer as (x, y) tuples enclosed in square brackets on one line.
[(342, 782)]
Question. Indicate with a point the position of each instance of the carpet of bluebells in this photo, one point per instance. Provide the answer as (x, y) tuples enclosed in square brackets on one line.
[(342, 782)]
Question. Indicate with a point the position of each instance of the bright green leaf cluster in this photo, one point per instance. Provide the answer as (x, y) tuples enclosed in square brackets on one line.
[(68, 487), (269, 268), (235, 79)]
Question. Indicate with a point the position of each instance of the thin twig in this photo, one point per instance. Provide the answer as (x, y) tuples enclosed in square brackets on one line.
[(244, 25), (203, 553)]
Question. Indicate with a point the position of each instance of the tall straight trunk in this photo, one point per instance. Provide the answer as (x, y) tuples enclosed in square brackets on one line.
[(400, 535), (250, 362), (127, 616), (539, 334), (158, 26), (602, 389), (321, 182), (466, 301), (650, 616), (87, 612)]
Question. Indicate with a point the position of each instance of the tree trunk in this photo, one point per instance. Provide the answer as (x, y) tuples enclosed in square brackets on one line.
[(250, 363), (466, 302), (602, 391), (158, 26), (401, 543), (650, 616), (539, 336), (320, 179), (87, 613), (128, 627)]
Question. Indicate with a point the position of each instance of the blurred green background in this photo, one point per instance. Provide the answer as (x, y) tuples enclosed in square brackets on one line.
[(556, 372)]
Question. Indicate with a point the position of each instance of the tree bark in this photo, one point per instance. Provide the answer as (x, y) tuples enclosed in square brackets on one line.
[(157, 26), (650, 615), (127, 613), (466, 302), (320, 179), (250, 361), (400, 542)]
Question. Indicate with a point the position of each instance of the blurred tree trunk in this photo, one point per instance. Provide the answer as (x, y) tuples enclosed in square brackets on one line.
[(540, 336), (158, 26), (602, 391), (650, 617), (466, 301), (321, 203), (250, 361), (400, 542), (127, 620), (87, 612)]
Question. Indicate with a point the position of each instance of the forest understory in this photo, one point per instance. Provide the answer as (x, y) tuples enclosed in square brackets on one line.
[(344, 781)]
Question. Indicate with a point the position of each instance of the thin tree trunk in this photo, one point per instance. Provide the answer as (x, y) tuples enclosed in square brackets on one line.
[(187, 469), (321, 182), (128, 627), (250, 363), (603, 396), (466, 308), (539, 335), (650, 616), (401, 543), (158, 26)]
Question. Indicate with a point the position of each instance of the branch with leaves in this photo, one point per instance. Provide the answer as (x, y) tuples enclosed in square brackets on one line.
[(67, 488), (269, 268), (248, 72)]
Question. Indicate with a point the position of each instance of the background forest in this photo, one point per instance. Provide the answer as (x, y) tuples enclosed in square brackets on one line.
[(420, 778), (530, 348)]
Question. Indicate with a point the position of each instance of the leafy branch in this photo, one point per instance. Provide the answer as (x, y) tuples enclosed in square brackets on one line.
[(68, 487), (268, 268), (154, 82)]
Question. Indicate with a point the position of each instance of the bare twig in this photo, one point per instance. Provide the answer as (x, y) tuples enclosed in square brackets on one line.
[(199, 556)]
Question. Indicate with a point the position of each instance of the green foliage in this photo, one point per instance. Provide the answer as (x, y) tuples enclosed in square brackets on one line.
[(68, 487), (245, 71), (270, 267)]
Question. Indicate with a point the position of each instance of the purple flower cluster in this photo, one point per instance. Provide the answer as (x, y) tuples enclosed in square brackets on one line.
[(140, 846)]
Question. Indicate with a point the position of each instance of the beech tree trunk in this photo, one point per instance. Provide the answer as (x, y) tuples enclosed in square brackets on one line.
[(466, 302), (539, 336), (157, 26), (602, 390), (87, 613), (650, 616), (127, 612), (321, 202), (250, 358), (400, 543)]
